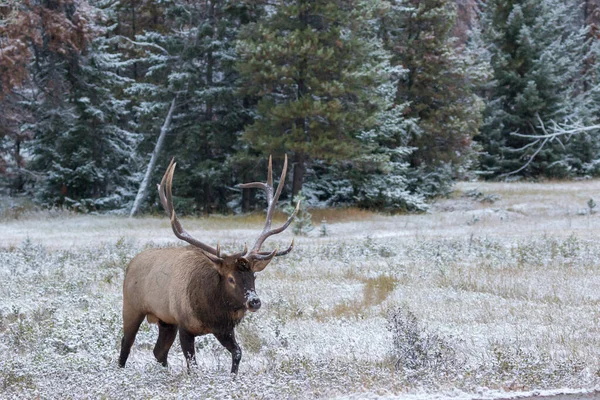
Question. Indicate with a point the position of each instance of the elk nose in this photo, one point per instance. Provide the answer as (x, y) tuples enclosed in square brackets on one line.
[(254, 304)]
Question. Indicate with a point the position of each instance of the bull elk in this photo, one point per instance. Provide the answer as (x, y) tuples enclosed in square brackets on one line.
[(196, 290)]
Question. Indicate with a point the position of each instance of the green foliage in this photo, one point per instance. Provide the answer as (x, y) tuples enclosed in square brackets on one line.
[(314, 73), (81, 147), (379, 178), (539, 55), (375, 102), (592, 206), (439, 83), (323, 228), (194, 58), (302, 224)]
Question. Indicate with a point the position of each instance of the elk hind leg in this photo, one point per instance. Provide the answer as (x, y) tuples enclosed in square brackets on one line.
[(166, 337), (131, 325)]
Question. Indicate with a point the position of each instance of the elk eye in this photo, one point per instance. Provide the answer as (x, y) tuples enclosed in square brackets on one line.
[(231, 280)]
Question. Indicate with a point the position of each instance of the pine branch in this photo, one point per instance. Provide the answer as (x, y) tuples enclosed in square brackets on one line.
[(148, 44)]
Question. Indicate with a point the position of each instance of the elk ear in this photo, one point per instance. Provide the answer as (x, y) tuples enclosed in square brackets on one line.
[(259, 261), (259, 265)]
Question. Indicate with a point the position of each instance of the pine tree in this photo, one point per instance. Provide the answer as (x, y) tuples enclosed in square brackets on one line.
[(315, 75), (84, 152), (380, 178), (538, 58), (13, 140), (192, 57), (79, 148), (438, 85), (22, 26)]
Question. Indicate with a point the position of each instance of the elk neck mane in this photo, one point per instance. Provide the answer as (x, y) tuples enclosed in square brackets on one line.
[(207, 298)]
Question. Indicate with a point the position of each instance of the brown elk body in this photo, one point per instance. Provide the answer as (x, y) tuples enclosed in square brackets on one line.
[(195, 290)]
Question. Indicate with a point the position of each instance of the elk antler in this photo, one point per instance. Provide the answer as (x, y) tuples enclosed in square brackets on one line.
[(166, 198), (271, 202)]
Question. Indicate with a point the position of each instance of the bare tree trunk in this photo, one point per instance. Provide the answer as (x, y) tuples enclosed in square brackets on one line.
[(143, 191), (298, 177), (245, 200)]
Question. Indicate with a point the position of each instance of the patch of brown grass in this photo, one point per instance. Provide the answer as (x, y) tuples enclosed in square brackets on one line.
[(375, 291), (257, 218), (341, 214)]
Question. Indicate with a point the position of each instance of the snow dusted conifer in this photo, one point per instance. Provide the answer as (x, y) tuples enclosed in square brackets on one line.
[(193, 58), (85, 152), (315, 74), (384, 181), (539, 55), (438, 87), (79, 147)]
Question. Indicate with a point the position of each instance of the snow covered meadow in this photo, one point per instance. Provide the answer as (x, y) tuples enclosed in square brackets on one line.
[(494, 291)]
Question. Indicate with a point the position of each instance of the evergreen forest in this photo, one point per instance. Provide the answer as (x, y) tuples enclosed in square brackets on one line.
[(378, 104)]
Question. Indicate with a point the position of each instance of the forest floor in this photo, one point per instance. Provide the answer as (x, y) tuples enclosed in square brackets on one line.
[(492, 294)]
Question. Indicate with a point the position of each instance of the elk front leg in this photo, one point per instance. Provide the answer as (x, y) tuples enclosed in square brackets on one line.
[(166, 336), (227, 339), (187, 345)]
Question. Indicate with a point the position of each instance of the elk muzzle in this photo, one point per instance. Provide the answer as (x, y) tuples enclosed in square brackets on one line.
[(252, 301)]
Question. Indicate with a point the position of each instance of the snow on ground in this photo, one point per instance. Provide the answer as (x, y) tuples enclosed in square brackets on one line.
[(495, 293)]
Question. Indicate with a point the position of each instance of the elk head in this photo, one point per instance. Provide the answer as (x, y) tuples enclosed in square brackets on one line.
[(236, 270)]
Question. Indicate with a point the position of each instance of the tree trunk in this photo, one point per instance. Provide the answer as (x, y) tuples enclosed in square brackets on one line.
[(133, 33), (301, 121), (298, 178), (143, 190), (245, 200)]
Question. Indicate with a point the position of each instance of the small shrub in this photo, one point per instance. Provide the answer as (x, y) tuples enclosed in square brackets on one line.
[(15, 380), (531, 367), (323, 229), (477, 195), (302, 224), (416, 351), (592, 206)]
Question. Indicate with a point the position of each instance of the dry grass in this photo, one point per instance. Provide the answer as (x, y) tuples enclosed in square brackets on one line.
[(509, 291), (375, 291), (334, 215)]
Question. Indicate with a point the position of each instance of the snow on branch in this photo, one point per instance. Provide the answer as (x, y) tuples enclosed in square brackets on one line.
[(148, 44), (555, 132)]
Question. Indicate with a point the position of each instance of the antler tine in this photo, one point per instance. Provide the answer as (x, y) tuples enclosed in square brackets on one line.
[(254, 185), (166, 198), (271, 204), (282, 252), (272, 200), (266, 234), (286, 251), (267, 187), (270, 172), (241, 253), (265, 256), (281, 181), (161, 190)]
